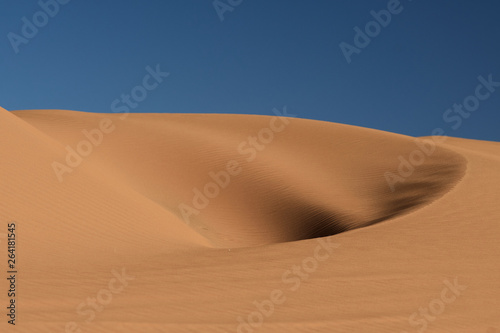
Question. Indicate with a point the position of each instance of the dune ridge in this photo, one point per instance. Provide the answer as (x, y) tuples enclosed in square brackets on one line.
[(292, 203)]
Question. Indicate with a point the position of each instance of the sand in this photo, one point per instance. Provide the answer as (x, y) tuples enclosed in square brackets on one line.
[(244, 223)]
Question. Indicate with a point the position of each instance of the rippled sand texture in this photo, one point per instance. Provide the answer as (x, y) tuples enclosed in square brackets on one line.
[(242, 223)]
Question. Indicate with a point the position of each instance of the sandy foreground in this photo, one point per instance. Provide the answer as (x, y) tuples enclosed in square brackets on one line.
[(242, 223)]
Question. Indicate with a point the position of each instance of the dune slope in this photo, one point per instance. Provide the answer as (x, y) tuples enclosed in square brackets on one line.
[(358, 229), (309, 179)]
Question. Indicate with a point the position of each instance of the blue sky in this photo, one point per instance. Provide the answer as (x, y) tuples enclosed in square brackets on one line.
[(264, 54)]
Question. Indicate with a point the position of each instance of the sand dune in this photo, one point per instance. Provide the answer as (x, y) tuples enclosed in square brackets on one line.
[(358, 230)]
